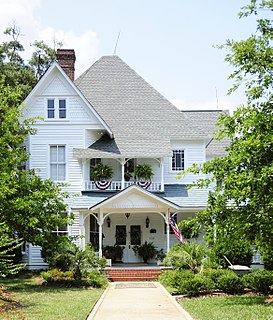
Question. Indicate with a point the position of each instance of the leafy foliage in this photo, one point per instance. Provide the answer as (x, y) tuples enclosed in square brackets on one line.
[(146, 251), (260, 280), (230, 283), (189, 255), (66, 255), (144, 171), (240, 203), (7, 247)]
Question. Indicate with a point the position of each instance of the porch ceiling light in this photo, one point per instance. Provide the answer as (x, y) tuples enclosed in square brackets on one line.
[(108, 220), (147, 222), (127, 215)]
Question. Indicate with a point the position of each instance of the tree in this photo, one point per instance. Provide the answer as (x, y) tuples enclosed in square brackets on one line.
[(240, 204), (30, 208), (42, 58)]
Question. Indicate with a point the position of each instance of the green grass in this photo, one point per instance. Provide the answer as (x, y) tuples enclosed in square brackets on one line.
[(229, 308), (48, 303)]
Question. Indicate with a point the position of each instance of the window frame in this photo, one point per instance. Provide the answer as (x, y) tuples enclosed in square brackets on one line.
[(59, 232), (58, 163), (57, 109), (177, 169)]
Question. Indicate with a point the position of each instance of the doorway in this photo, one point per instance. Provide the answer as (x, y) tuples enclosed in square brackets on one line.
[(128, 236)]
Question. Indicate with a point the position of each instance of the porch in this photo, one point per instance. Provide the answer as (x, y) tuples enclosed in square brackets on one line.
[(128, 219)]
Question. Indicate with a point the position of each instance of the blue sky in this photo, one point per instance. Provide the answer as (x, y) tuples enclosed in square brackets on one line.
[(168, 42)]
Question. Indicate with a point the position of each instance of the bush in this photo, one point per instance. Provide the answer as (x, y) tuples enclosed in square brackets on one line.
[(259, 280), (96, 279), (194, 286), (230, 283), (237, 250), (189, 255), (214, 274), (172, 279)]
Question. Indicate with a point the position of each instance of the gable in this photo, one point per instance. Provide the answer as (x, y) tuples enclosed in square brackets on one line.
[(55, 84)]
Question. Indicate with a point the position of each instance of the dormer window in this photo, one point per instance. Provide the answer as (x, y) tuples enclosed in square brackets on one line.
[(56, 109)]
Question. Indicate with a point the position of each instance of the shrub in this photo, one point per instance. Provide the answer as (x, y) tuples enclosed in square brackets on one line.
[(230, 283), (237, 250), (214, 274), (259, 280), (96, 279), (194, 286), (189, 255), (172, 279)]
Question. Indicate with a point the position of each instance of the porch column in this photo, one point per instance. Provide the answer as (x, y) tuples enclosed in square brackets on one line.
[(84, 161), (167, 231), (82, 230), (122, 173), (100, 223), (162, 174)]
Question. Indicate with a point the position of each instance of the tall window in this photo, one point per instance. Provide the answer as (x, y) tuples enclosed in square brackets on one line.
[(178, 160), (53, 112), (57, 163), (94, 232)]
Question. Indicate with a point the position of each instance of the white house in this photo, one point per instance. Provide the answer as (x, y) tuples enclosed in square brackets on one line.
[(112, 115)]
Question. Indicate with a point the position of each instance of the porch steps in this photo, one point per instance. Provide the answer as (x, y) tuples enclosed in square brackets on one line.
[(133, 274)]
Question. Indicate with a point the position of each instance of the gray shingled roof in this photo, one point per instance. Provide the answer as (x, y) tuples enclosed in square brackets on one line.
[(207, 120), (142, 120)]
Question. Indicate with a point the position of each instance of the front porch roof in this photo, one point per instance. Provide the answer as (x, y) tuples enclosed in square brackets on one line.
[(175, 194), (136, 198)]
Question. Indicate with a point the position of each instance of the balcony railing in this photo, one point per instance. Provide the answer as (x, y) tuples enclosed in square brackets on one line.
[(117, 185)]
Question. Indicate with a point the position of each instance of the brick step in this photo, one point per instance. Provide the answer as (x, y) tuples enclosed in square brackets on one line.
[(133, 275)]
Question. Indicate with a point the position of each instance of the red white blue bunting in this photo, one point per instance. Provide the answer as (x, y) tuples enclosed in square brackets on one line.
[(144, 184), (103, 185)]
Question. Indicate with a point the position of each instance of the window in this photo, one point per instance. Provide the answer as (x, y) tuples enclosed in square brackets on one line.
[(62, 109), (94, 232), (178, 160), (57, 163), (62, 230), (52, 113), (50, 109)]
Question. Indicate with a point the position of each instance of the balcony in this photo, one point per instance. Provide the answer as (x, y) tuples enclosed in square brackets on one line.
[(118, 185)]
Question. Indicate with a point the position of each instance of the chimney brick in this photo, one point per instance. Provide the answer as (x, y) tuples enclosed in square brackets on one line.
[(66, 59)]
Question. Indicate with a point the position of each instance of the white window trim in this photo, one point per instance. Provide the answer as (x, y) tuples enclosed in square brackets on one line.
[(170, 162), (56, 109), (66, 161)]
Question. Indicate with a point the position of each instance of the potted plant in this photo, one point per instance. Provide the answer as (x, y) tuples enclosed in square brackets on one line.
[(144, 172), (160, 256), (113, 252), (146, 251), (102, 172)]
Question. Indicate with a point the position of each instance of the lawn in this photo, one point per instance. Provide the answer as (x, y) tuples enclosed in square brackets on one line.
[(48, 303), (229, 308)]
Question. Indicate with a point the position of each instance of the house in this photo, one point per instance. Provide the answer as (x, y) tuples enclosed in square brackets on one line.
[(111, 115)]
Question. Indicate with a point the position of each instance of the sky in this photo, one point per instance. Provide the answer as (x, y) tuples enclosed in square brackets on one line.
[(170, 43)]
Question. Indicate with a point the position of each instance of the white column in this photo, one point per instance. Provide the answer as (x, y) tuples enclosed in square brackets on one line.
[(84, 161), (162, 174), (82, 230), (167, 231), (100, 223), (122, 173)]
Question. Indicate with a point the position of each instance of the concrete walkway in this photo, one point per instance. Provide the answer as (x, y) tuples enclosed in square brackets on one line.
[(137, 300)]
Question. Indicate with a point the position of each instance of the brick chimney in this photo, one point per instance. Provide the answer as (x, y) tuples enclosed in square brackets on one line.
[(66, 59)]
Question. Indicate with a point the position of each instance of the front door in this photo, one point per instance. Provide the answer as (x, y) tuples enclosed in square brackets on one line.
[(128, 236)]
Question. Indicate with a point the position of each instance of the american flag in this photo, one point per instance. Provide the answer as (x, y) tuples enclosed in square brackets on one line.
[(176, 229)]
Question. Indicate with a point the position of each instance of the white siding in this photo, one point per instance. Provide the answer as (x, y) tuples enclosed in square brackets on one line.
[(194, 153)]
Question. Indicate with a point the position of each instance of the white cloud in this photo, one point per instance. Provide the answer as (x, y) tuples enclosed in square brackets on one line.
[(85, 45), (22, 13)]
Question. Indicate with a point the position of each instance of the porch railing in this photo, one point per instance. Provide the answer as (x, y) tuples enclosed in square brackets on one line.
[(117, 185)]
